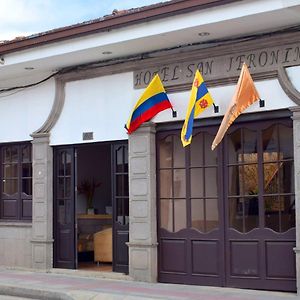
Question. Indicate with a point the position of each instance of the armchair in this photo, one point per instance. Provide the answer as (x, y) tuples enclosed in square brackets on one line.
[(103, 246)]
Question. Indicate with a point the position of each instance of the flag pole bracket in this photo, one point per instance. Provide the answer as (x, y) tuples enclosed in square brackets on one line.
[(216, 108), (174, 113), (261, 103)]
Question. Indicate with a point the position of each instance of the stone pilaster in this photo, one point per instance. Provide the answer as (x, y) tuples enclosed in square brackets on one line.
[(296, 133), (142, 204), (42, 204)]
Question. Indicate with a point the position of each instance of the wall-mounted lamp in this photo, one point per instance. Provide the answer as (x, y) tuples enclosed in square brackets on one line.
[(2, 60)]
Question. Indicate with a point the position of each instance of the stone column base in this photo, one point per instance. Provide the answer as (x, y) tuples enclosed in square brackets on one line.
[(143, 261), (42, 254)]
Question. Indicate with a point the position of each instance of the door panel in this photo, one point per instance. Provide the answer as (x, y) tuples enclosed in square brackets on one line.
[(259, 203), (64, 209), (190, 236), (120, 206)]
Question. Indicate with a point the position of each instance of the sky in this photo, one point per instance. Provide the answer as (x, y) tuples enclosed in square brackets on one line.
[(26, 17)]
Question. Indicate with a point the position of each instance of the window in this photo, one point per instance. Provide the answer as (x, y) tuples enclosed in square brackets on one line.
[(16, 178)]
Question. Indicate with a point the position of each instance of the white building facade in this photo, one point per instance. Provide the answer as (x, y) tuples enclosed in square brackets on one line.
[(192, 216)]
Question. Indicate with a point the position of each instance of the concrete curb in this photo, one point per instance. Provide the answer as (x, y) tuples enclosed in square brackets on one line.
[(41, 294)]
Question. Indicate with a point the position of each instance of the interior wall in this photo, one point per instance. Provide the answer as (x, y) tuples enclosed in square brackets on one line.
[(94, 162)]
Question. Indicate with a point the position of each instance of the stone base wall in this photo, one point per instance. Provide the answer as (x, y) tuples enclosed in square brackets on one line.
[(15, 245)]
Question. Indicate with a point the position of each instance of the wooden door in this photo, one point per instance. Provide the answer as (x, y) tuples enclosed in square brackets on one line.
[(260, 206), (120, 206), (64, 208), (191, 230)]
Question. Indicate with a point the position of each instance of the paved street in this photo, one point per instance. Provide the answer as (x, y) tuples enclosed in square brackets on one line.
[(84, 285)]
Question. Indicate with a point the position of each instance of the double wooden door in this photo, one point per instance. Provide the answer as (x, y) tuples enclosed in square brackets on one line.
[(227, 217), (65, 227)]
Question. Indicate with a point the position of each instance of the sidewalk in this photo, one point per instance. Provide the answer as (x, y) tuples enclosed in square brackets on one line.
[(83, 285)]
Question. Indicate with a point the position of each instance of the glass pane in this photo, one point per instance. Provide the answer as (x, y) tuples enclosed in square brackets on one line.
[(211, 185), (210, 157), (6, 154), (14, 154), (212, 214), (68, 187), (250, 145), (68, 164), (10, 186), (236, 207), (234, 181), (165, 184), (234, 146), (68, 210), (273, 205), (119, 160), (179, 153), (251, 213), (61, 212), (197, 150), (61, 164), (125, 159), (271, 178), (179, 214), (119, 211), (197, 184), (10, 170), (61, 188), (27, 186), (119, 185), (286, 147), (126, 185), (270, 143), (26, 154), (250, 179), (288, 214), (27, 170), (179, 184), (166, 214), (197, 212), (126, 210), (165, 153), (286, 177)]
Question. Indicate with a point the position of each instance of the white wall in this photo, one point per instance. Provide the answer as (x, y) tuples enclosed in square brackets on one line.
[(24, 111), (294, 76), (101, 105), (269, 90)]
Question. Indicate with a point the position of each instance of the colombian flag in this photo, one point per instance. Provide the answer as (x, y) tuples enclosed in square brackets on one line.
[(200, 99), (153, 100)]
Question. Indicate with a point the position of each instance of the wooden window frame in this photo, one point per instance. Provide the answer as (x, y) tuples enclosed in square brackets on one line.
[(19, 197)]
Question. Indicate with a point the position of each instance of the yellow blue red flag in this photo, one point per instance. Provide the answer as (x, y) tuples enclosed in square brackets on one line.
[(200, 99), (153, 100)]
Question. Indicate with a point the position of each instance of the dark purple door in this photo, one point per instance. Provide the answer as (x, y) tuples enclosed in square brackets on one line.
[(260, 206), (64, 209), (227, 217), (191, 231), (120, 206)]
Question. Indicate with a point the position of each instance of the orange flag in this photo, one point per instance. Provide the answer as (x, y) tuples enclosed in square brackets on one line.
[(245, 94)]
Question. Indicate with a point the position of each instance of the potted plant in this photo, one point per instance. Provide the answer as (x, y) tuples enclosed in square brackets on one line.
[(88, 187)]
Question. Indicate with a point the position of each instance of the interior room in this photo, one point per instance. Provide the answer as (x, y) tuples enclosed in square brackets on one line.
[(94, 207)]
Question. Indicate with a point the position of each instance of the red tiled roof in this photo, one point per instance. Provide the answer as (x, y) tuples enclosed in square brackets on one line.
[(118, 18)]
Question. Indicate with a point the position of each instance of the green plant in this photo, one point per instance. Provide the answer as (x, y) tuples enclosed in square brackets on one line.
[(88, 187)]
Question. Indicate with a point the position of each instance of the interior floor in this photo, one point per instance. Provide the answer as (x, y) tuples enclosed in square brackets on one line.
[(92, 266)]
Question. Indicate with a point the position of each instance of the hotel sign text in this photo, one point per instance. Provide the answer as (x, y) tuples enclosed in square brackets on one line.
[(220, 67)]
